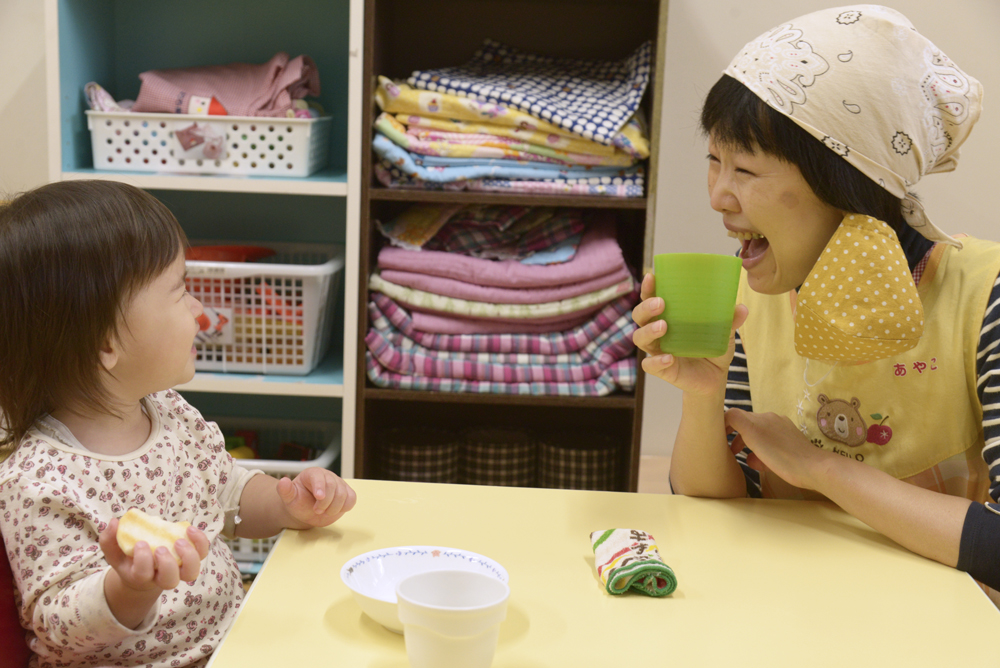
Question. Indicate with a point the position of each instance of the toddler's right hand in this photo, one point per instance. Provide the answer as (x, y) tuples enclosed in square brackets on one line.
[(688, 374), (146, 568)]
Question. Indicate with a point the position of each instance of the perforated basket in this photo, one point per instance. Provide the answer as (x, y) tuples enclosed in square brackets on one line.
[(269, 316), (180, 143), (323, 437)]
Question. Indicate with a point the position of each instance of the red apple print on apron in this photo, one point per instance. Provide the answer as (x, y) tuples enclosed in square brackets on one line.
[(880, 433)]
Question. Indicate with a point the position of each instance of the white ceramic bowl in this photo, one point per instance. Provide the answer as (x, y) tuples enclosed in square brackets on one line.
[(372, 576)]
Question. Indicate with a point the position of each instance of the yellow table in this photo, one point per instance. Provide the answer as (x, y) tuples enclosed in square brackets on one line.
[(760, 583)]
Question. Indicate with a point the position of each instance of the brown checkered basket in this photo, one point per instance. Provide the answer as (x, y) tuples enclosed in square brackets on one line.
[(578, 460), (499, 456), (420, 454)]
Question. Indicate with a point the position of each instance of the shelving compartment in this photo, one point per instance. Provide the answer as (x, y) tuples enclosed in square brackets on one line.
[(402, 37), (585, 447), (112, 41)]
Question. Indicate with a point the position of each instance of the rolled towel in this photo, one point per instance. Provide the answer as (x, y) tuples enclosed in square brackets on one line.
[(629, 559)]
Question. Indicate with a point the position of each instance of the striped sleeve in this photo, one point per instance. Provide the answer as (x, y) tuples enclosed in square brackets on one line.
[(980, 543), (738, 396), (988, 371)]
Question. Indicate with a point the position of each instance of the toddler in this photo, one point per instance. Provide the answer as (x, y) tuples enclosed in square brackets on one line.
[(97, 327)]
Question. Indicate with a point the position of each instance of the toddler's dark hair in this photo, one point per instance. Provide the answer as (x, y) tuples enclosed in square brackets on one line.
[(737, 118), (72, 255)]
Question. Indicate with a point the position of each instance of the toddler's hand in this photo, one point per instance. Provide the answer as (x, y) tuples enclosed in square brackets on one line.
[(317, 497), (147, 569)]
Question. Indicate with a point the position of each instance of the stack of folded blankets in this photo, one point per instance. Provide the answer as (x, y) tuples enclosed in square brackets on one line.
[(508, 121), (502, 299)]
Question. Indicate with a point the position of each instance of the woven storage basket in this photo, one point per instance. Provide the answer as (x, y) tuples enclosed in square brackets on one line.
[(578, 460), (498, 456), (420, 454)]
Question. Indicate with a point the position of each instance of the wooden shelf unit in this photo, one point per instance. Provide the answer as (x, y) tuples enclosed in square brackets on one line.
[(401, 36)]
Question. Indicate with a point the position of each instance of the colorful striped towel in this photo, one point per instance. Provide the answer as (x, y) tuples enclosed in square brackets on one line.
[(629, 559)]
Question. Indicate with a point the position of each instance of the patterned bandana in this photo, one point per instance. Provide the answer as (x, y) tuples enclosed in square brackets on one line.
[(863, 81)]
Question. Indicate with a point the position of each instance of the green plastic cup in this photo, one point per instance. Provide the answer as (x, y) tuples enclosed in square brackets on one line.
[(699, 296)]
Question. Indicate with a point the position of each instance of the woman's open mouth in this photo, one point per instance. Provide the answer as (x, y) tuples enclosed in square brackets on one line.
[(754, 246)]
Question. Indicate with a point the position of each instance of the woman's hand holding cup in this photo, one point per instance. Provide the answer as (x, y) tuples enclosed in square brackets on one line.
[(698, 375)]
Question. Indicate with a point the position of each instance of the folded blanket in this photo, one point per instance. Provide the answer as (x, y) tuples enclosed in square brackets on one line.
[(244, 89), (397, 353), (398, 97), (429, 301), (607, 346), (458, 145), (580, 339), (629, 559), (551, 140), (592, 99), (598, 254), (538, 229), (449, 323), (485, 293), (619, 376), (446, 323), (461, 145), (628, 186), (430, 168)]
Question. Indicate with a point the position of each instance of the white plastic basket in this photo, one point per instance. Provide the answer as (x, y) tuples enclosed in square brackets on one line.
[(269, 316), (180, 143), (271, 434)]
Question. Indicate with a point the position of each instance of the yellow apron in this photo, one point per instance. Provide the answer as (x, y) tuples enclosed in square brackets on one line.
[(916, 415)]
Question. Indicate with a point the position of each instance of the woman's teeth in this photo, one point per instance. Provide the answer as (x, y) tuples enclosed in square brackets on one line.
[(744, 236)]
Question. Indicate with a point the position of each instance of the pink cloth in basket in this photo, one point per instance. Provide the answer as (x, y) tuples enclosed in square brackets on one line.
[(244, 89), (599, 254), (488, 293)]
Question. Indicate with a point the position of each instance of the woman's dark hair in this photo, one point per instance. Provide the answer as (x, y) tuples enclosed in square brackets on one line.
[(72, 255), (734, 116)]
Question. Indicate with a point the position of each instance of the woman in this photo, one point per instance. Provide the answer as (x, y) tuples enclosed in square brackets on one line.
[(863, 360)]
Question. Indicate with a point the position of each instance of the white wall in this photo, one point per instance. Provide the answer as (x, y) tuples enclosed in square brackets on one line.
[(704, 35), (23, 143)]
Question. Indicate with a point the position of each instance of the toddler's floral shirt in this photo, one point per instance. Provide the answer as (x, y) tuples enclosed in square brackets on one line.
[(55, 499)]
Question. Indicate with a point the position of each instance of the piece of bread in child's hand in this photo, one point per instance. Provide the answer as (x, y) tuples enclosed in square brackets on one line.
[(136, 525)]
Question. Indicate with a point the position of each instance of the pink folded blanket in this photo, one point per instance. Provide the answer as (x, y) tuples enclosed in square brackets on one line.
[(443, 323), (599, 254), (244, 89), (488, 293)]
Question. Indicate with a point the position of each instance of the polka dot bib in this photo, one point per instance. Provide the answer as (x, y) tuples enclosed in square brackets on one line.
[(859, 302)]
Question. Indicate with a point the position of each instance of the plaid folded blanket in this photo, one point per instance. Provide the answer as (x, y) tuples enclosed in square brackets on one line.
[(582, 339), (396, 352), (619, 376), (592, 99), (537, 230)]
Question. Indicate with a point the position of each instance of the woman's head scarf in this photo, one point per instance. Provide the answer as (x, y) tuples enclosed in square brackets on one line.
[(863, 81)]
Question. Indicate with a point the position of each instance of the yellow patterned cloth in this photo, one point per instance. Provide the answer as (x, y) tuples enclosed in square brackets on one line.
[(859, 303), (552, 140), (628, 559), (399, 98)]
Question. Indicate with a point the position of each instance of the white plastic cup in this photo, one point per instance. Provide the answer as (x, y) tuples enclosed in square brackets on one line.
[(451, 618)]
